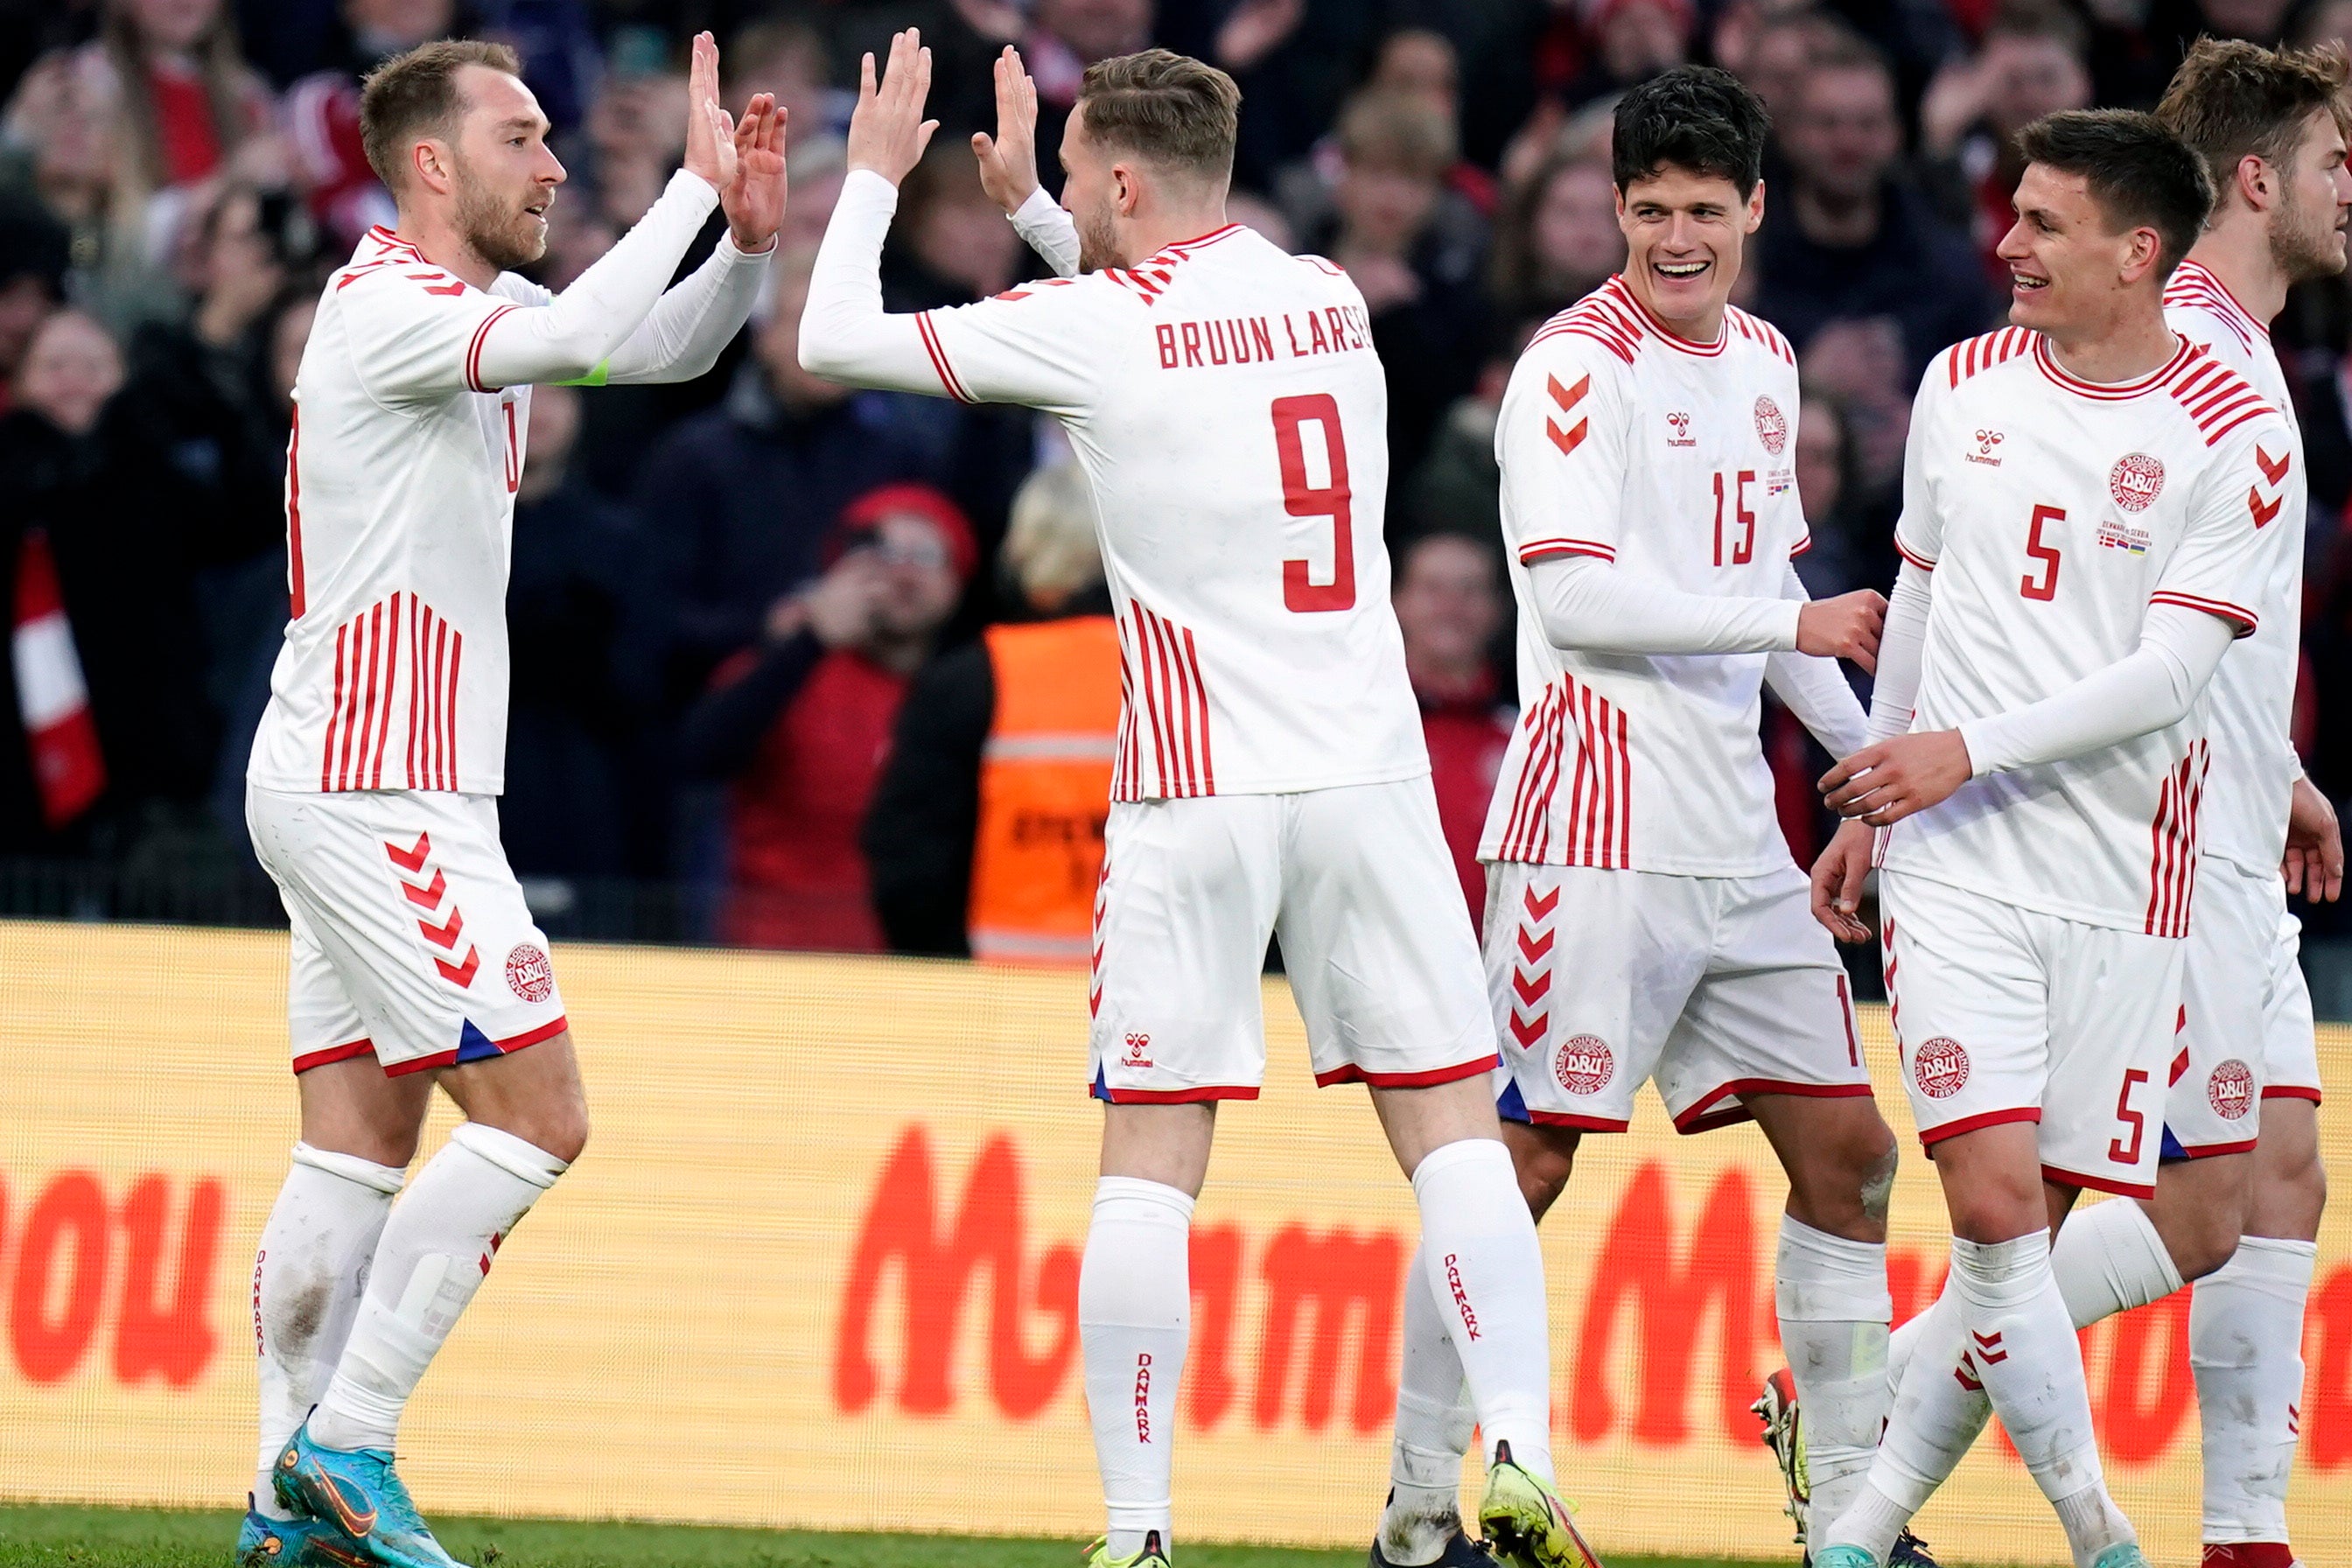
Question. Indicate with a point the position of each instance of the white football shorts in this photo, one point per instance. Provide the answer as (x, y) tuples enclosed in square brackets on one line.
[(1715, 987), (2004, 1013), (2246, 1032), (1357, 884), (411, 942)]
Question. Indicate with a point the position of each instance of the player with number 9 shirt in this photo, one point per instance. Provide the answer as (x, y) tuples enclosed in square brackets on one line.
[(1226, 403)]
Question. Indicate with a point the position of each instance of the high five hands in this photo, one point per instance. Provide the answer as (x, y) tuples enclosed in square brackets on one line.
[(743, 163), (888, 133), (1008, 161)]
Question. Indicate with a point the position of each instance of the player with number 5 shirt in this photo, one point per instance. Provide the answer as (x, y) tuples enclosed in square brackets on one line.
[(2082, 538)]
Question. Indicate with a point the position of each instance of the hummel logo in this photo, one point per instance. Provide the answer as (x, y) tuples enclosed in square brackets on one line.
[(1985, 441), (1682, 436)]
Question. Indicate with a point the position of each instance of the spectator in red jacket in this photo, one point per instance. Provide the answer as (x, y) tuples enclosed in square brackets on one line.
[(1450, 605), (801, 723)]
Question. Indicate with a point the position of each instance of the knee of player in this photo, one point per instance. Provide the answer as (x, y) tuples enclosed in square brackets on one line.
[(1544, 1158), (2203, 1245), (566, 1135)]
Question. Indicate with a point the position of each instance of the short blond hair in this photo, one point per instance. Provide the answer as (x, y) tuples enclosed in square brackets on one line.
[(1050, 549), (417, 93), (1170, 107)]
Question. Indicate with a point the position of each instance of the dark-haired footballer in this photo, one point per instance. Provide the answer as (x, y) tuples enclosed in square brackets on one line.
[(1644, 922), (2086, 502)]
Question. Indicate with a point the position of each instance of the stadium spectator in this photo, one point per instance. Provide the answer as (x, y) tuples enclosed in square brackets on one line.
[(1450, 605), (1420, 62), (1063, 38), (1630, 41), (1771, 48), (574, 771), (128, 127), (2032, 62), (951, 244), (92, 474), (1846, 239), (1414, 248), (801, 723), (746, 493), (1843, 557), (985, 835), (1557, 240), (788, 60), (34, 251), (322, 111), (1459, 487)]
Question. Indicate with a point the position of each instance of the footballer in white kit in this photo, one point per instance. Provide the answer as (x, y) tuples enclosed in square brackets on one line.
[(1225, 404), (1644, 922), (2078, 555), (2246, 1026), (371, 792)]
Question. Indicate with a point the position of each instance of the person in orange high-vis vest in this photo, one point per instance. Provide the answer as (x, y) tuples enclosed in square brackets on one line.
[(1045, 790), (985, 834)]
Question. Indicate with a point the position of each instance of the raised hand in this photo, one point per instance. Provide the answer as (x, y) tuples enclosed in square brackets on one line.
[(1008, 161), (754, 200), (710, 129), (887, 131)]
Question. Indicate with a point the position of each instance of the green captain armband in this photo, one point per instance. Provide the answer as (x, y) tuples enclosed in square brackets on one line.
[(596, 377)]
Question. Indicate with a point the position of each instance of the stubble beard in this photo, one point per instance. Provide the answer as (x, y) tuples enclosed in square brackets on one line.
[(1097, 239), (502, 235), (2306, 243)]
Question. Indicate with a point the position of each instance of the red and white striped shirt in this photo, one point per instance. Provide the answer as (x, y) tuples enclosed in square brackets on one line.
[(2253, 695), (400, 486), (1675, 462), (2054, 512)]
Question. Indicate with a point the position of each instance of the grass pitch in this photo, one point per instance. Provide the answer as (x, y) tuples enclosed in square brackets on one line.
[(43, 1537)]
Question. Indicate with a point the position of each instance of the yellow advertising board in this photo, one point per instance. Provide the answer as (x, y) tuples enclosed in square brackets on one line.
[(819, 1268)]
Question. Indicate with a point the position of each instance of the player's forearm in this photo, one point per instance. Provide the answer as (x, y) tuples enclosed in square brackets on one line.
[(845, 335), (1048, 231), (2150, 689), (1815, 690), (1902, 648), (567, 338), (1587, 604), (689, 327)]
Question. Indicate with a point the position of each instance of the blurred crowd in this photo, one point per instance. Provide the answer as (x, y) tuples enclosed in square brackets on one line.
[(837, 664)]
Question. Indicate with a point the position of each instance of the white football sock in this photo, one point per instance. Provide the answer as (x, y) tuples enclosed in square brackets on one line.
[(1928, 1430), (2021, 1342), (1480, 1257), (1831, 1294), (1135, 1317), (2245, 1346), (2108, 1260), (1434, 1423), (1900, 1346), (436, 1250), (307, 1279)]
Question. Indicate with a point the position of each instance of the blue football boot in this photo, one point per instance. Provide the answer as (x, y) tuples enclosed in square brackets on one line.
[(357, 1492), (266, 1542)]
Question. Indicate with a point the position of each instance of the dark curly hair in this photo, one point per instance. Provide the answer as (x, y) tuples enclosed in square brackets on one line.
[(1695, 118)]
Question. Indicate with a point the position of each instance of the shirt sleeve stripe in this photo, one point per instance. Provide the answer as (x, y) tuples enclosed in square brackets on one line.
[(1534, 548), (932, 346), (2227, 611), (1914, 557), (474, 349)]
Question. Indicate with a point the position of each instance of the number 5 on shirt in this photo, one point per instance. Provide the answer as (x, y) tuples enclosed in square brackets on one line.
[(1302, 499), (2046, 589)]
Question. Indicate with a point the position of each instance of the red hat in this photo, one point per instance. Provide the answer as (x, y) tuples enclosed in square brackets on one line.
[(923, 501)]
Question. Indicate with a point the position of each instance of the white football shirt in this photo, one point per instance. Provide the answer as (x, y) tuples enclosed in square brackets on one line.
[(2054, 512), (2253, 695), (400, 487), (1675, 461), (1231, 418)]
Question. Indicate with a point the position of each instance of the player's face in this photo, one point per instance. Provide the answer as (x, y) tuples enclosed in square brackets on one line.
[(1090, 193), (2066, 265), (2307, 227), (503, 174), (1684, 234)]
